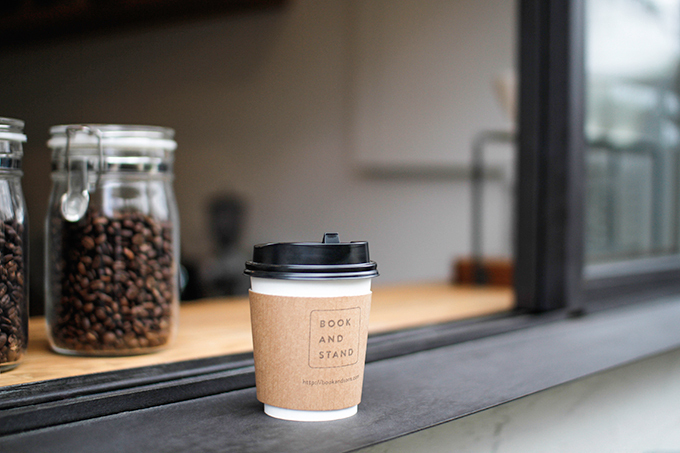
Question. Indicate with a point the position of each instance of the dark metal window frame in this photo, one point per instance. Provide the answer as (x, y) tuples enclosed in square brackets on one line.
[(549, 253)]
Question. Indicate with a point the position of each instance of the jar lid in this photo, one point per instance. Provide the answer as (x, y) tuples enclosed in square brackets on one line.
[(112, 135), (329, 259), (12, 129)]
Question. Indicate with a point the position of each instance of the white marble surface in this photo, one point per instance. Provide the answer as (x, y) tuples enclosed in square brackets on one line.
[(634, 408)]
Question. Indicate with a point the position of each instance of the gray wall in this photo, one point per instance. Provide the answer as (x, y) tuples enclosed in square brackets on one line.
[(262, 105)]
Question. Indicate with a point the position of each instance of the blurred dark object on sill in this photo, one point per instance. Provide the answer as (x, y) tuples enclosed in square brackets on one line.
[(487, 271), (222, 273), (191, 288)]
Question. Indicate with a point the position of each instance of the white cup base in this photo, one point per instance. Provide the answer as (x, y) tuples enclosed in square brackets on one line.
[(308, 416)]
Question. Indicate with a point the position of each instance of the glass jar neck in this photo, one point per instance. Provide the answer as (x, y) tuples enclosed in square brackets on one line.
[(11, 144), (74, 137), (12, 130), (114, 161), (112, 148)]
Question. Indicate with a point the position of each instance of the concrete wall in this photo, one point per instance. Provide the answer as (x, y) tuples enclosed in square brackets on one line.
[(633, 408), (262, 105)]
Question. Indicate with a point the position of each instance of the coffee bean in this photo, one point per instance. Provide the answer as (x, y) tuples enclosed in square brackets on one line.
[(109, 338), (100, 313), (13, 297), (113, 283), (88, 242)]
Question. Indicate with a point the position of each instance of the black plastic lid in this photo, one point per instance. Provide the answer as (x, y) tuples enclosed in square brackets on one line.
[(329, 259)]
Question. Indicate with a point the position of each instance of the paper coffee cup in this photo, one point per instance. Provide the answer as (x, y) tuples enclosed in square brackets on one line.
[(309, 306)]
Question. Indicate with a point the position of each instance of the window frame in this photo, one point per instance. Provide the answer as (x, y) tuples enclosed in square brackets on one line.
[(551, 170)]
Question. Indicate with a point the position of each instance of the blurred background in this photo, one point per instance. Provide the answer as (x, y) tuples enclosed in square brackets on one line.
[(292, 120)]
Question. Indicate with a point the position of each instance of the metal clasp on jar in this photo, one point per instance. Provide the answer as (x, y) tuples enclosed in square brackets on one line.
[(75, 201)]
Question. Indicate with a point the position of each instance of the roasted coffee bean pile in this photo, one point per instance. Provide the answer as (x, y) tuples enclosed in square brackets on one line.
[(13, 304), (114, 283)]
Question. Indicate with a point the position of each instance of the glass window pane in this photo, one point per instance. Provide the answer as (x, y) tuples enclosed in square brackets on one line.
[(632, 129)]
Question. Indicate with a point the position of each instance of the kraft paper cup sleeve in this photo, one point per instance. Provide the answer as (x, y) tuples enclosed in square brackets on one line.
[(309, 351)]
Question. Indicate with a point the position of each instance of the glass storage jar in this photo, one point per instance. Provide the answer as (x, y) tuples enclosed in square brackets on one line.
[(13, 247), (112, 240)]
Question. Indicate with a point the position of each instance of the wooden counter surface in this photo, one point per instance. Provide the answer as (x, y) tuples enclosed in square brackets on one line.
[(215, 327)]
